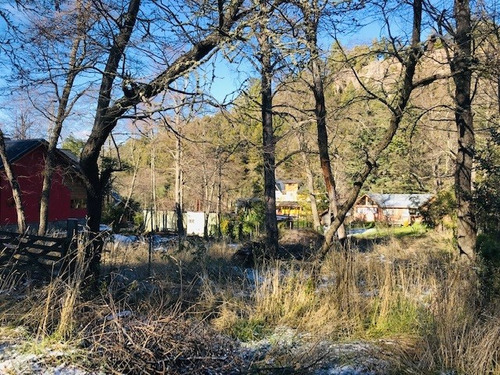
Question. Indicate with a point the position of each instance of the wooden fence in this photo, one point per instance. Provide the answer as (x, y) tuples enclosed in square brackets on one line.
[(36, 255)]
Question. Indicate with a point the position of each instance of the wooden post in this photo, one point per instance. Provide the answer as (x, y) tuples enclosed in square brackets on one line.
[(71, 228), (70, 252)]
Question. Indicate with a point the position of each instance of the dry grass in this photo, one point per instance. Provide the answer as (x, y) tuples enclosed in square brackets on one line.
[(166, 344), (411, 299), (412, 292)]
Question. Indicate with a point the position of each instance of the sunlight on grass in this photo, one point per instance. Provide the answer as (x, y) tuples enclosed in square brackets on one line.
[(414, 230)]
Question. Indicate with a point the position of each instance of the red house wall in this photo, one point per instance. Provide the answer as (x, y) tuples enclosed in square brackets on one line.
[(29, 172)]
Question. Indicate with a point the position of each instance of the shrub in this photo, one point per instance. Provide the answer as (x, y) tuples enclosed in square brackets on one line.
[(440, 208)]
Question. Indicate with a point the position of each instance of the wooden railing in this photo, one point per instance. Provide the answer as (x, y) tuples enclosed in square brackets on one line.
[(36, 255)]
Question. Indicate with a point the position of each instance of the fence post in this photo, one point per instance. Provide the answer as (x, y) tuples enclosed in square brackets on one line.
[(70, 251), (71, 228), (150, 252)]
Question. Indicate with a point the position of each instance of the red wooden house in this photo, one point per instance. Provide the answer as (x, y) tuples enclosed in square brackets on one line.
[(67, 195)]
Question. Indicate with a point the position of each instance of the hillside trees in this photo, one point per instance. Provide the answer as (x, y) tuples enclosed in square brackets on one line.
[(108, 112), (487, 118), (139, 50)]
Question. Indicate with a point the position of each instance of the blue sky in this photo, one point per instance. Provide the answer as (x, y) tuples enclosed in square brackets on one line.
[(228, 78)]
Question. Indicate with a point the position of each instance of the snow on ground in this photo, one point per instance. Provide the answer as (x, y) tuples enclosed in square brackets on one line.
[(320, 357), (15, 360)]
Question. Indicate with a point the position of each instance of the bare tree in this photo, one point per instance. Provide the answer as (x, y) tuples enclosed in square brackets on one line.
[(268, 140), (458, 46), (77, 57), (14, 185), (461, 68), (23, 126), (312, 11), (108, 112), (53, 50), (408, 58)]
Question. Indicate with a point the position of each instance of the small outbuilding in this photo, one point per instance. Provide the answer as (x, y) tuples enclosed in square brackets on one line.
[(400, 209), (67, 195)]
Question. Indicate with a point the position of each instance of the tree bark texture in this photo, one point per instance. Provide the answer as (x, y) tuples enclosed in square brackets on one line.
[(179, 185), (311, 19), (268, 141), (462, 76)]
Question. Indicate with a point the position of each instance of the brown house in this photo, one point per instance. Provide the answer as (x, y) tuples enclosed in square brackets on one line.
[(399, 209)]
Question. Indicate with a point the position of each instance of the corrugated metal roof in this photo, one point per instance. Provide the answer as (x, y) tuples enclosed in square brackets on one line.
[(17, 148), (400, 200)]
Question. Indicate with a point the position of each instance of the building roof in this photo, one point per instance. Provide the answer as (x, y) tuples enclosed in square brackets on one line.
[(400, 200), (69, 154), (280, 184), (15, 149)]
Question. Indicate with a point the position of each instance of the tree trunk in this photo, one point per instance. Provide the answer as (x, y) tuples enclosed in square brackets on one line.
[(219, 200), (154, 225), (462, 76), (311, 20), (107, 115), (268, 141), (105, 120), (62, 113), (132, 184), (16, 191), (397, 112), (324, 155), (178, 186)]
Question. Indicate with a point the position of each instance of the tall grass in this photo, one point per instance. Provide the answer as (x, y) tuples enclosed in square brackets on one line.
[(411, 297), (411, 292)]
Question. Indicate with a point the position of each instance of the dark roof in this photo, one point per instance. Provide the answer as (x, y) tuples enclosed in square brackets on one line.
[(400, 200), (287, 204), (15, 149), (69, 154)]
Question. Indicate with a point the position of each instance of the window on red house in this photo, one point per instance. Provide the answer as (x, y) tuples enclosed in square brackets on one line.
[(78, 203)]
